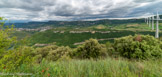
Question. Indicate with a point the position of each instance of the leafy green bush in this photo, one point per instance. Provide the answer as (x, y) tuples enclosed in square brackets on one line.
[(90, 49), (110, 49), (160, 38), (60, 53), (41, 53), (52, 53), (15, 58), (139, 46), (6, 41), (45, 50)]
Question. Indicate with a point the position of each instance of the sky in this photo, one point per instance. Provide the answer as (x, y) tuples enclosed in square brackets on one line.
[(70, 10)]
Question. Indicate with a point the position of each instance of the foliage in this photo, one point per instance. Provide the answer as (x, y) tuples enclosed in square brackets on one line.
[(139, 46), (15, 58), (69, 39), (41, 53), (45, 50), (6, 41), (90, 49), (60, 53), (76, 23), (160, 39), (52, 53), (110, 49), (12, 55), (21, 57)]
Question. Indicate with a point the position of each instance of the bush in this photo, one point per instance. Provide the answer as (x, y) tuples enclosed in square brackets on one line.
[(6, 41), (15, 58), (160, 39), (52, 53), (90, 49), (41, 53), (45, 50), (110, 49), (139, 46), (60, 53)]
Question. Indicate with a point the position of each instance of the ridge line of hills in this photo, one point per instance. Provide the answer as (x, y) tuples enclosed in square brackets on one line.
[(106, 22), (74, 23)]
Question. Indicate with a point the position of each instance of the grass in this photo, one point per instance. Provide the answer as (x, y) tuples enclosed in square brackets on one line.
[(110, 67)]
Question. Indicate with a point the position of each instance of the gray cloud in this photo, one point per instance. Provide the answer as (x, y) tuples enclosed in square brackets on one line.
[(143, 1), (76, 9)]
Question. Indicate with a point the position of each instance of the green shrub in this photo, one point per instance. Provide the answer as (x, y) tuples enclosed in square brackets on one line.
[(6, 41), (160, 39), (110, 49), (41, 53), (52, 53), (139, 46), (45, 50), (90, 49), (15, 58), (60, 53)]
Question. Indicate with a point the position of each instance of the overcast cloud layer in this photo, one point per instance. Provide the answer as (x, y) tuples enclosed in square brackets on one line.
[(39, 10)]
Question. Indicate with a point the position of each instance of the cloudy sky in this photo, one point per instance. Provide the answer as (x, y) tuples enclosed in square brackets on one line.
[(41, 10)]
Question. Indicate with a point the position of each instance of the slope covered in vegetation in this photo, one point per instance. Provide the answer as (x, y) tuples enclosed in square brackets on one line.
[(129, 56)]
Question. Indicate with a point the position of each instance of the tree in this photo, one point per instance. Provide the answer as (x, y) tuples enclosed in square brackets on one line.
[(6, 41), (90, 49), (139, 46)]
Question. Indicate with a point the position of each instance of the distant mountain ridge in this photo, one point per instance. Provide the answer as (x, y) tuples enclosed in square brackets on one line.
[(37, 24), (75, 23)]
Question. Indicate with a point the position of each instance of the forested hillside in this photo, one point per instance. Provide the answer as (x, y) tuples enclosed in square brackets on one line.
[(75, 23), (106, 22)]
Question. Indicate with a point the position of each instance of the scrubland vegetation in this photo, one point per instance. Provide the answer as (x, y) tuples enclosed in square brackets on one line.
[(129, 56)]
